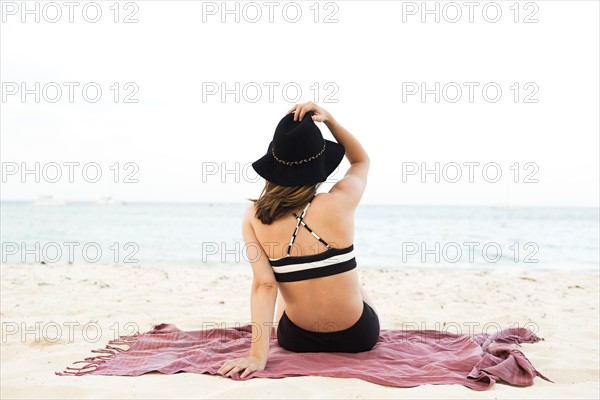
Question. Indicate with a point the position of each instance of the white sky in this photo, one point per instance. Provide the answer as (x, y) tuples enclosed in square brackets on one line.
[(171, 134)]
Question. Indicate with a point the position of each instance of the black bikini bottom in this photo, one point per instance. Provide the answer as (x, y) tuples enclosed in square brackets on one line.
[(362, 336)]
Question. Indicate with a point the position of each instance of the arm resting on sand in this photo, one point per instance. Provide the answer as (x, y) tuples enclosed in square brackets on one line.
[(262, 303)]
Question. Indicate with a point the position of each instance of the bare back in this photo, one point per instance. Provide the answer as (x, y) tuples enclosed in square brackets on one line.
[(336, 298)]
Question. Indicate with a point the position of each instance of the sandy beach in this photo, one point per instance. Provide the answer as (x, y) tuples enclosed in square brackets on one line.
[(53, 315)]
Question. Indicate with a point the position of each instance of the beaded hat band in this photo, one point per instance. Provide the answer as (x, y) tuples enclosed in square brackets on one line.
[(299, 161)]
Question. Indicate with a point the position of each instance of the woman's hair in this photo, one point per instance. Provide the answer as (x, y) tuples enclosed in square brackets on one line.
[(276, 201)]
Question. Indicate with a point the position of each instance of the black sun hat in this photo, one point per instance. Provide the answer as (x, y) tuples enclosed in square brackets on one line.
[(298, 155)]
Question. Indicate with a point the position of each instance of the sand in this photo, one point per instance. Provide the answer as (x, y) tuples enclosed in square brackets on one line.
[(45, 308)]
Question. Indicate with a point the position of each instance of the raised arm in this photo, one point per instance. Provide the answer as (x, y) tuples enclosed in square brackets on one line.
[(262, 304), (350, 188)]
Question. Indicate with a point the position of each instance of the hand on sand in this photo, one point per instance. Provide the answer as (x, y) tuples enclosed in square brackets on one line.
[(319, 113), (247, 364)]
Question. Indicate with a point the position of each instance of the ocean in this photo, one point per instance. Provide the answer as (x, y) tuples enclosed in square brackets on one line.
[(389, 236)]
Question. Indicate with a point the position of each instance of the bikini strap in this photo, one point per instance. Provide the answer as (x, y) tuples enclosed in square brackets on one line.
[(300, 219)]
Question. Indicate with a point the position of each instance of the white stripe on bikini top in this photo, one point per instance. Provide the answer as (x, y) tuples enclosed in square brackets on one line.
[(336, 259)]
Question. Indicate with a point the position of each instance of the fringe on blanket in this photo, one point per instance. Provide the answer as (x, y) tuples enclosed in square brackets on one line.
[(107, 353)]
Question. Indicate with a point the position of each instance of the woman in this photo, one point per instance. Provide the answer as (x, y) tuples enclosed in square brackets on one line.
[(321, 306)]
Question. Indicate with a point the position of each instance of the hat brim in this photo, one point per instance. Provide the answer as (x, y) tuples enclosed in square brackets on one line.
[(309, 173)]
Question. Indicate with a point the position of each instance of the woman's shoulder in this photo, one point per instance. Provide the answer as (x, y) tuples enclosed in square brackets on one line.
[(250, 213), (330, 207), (332, 201)]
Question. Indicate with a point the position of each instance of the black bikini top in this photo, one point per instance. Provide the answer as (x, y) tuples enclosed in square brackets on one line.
[(298, 268)]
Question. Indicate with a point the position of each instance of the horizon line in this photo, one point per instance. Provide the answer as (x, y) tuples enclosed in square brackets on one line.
[(222, 202)]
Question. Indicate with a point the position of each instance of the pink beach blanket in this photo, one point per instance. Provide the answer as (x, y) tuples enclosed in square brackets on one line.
[(401, 358)]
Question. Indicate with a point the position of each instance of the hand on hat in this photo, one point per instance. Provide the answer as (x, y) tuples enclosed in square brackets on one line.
[(319, 113)]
